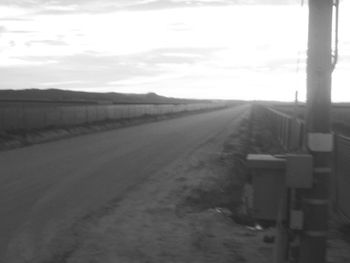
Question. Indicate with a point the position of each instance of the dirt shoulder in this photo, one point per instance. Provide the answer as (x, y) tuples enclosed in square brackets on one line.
[(181, 214)]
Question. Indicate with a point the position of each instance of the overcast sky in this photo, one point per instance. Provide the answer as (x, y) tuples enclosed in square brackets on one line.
[(228, 49)]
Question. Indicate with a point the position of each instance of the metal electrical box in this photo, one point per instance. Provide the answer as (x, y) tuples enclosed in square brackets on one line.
[(299, 171), (268, 181)]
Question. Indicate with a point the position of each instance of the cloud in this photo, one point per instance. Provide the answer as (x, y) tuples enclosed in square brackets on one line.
[(57, 7), (9, 19), (70, 71), (7, 31), (47, 42), (185, 55), (178, 49), (145, 80), (2, 29), (92, 69), (62, 83), (20, 31), (148, 62)]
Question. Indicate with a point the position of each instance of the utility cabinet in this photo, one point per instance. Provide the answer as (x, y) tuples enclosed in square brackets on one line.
[(269, 188)]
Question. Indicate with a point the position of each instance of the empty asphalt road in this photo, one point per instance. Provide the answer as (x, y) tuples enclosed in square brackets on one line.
[(46, 187)]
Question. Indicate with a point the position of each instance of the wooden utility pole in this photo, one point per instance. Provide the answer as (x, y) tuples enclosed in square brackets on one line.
[(313, 244)]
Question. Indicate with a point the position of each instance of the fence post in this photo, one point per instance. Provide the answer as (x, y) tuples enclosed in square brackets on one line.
[(335, 181)]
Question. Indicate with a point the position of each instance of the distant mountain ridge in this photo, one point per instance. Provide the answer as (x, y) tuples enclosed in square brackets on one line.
[(56, 95)]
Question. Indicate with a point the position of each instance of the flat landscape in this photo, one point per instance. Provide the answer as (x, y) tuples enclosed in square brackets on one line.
[(45, 189)]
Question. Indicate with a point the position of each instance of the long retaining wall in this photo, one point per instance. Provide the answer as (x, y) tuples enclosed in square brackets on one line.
[(28, 118)]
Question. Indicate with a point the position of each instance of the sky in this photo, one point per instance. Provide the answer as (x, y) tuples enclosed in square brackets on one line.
[(211, 49)]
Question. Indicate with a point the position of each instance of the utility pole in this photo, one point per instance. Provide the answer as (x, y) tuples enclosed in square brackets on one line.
[(315, 202)]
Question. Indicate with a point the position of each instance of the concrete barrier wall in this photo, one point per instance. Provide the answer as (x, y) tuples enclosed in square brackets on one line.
[(28, 118)]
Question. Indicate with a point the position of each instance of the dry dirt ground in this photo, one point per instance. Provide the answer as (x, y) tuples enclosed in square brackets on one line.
[(182, 214)]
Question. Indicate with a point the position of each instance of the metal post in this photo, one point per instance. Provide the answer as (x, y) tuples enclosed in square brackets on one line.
[(295, 113), (315, 202)]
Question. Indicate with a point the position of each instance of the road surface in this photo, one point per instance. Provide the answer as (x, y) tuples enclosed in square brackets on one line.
[(46, 187)]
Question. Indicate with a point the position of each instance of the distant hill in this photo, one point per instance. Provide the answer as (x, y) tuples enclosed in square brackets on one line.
[(66, 96)]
